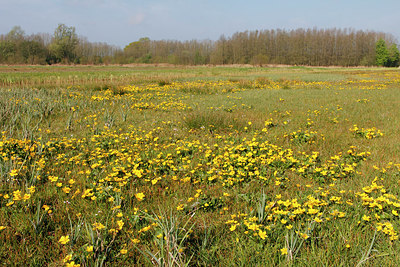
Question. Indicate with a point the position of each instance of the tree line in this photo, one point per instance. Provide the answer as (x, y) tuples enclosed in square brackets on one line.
[(312, 47), (64, 46)]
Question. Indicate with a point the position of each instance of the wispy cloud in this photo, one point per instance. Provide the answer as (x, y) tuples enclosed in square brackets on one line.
[(137, 19)]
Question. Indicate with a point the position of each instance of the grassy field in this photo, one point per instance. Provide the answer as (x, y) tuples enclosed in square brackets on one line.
[(210, 166)]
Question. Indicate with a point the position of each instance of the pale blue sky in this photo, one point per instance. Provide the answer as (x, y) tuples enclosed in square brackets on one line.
[(120, 22)]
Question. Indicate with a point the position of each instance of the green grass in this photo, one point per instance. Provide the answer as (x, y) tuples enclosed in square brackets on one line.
[(34, 76), (216, 151)]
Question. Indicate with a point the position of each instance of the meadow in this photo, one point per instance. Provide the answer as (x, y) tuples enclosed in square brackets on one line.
[(199, 166)]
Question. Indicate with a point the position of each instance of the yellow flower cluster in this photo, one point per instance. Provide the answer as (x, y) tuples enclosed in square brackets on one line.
[(368, 133)]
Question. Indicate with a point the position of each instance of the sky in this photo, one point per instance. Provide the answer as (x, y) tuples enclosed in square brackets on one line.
[(119, 22)]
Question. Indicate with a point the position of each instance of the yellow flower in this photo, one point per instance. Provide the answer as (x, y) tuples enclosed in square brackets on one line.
[(284, 251), (66, 190), (318, 220), (64, 239), (67, 258), (2, 228), (120, 224), (290, 226), (53, 179), (89, 249), (140, 196), (262, 234), (312, 211), (26, 197), (72, 264), (14, 173), (304, 235), (135, 240), (145, 229), (124, 251), (366, 218), (32, 189), (98, 226), (17, 195)]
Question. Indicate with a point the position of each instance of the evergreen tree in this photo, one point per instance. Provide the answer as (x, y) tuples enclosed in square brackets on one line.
[(382, 54), (393, 56)]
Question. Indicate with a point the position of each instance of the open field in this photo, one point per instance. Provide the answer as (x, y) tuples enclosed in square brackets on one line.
[(211, 166)]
